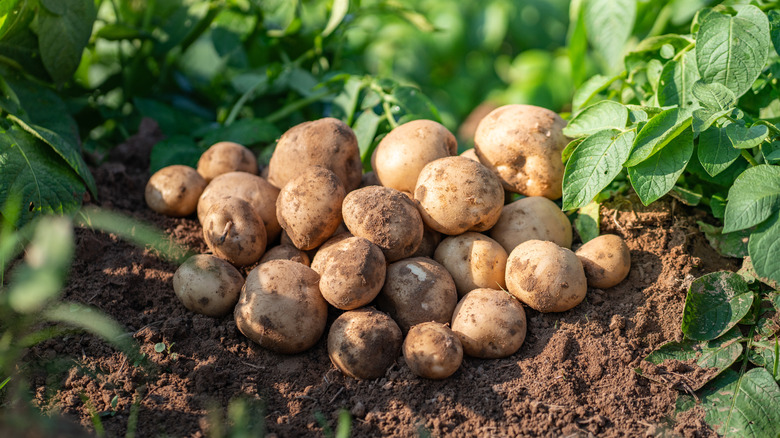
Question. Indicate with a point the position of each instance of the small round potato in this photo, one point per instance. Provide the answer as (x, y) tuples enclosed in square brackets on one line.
[(457, 194), (174, 190), (386, 217), (606, 260), (233, 231), (489, 323), (432, 350), (281, 307), (417, 290), (363, 343), (404, 151), (474, 260), (224, 157), (286, 252), (532, 218), (545, 276), (309, 207), (207, 285), (522, 144), (352, 271)]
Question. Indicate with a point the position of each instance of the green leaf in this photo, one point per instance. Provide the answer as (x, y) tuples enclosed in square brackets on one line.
[(63, 32), (655, 43), (415, 103), (588, 222), (658, 132), (597, 117), (159, 347), (771, 152), (178, 149), (686, 195), (676, 81), (716, 151), (714, 96), (765, 354), (247, 132), (764, 248), (365, 130), (715, 303), (14, 16), (743, 137), (754, 196), (570, 148), (119, 32), (609, 24), (577, 42), (704, 118), (730, 244), (748, 272), (658, 174), (590, 89), (172, 120), (733, 50), (337, 13), (774, 31)]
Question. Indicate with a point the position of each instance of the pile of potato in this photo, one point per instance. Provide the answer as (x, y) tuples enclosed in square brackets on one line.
[(423, 255)]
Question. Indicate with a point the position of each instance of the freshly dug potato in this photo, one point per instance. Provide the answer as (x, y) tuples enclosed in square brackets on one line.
[(327, 142), (363, 343), (286, 252), (369, 179), (545, 276), (417, 290), (489, 323), (281, 308), (457, 194), (234, 232), (404, 151), (474, 260), (386, 217), (522, 144), (224, 157), (430, 240), (606, 260), (432, 350), (174, 190), (470, 154), (259, 193), (309, 207), (532, 218), (207, 285)]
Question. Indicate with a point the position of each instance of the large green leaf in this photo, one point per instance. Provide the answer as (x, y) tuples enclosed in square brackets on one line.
[(743, 137), (64, 28), (609, 24), (733, 50), (714, 304), (754, 196), (714, 96), (657, 175), (730, 244), (765, 354), (716, 152), (177, 149), (247, 132), (764, 248), (657, 133), (676, 82), (774, 22), (597, 117)]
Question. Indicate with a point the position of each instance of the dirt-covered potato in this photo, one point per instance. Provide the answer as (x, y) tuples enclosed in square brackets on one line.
[(474, 260), (281, 308), (430, 240), (489, 323), (417, 290), (522, 144), (326, 142), (404, 151), (363, 343), (309, 207), (207, 285), (224, 157), (432, 350), (532, 218), (545, 276), (386, 217), (352, 271), (233, 231), (255, 190), (606, 260), (457, 194), (286, 252), (174, 190)]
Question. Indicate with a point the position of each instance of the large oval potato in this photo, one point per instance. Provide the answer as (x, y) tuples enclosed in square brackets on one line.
[(233, 231), (363, 343), (224, 157), (606, 260), (208, 285), (174, 190), (489, 323), (432, 350), (532, 218), (474, 260)]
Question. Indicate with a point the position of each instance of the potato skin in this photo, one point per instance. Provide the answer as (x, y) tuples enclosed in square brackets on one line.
[(224, 157), (432, 350), (532, 218), (606, 260), (281, 308), (456, 194), (286, 252), (474, 260), (174, 190), (207, 285), (545, 276), (471, 154), (363, 343), (489, 323), (522, 144), (233, 231)]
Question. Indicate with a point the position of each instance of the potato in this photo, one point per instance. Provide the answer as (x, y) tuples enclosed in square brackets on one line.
[(470, 154), (430, 240), (224, 157), (369, 179), (532, 218), (522, 144), (286, 252), (606, 260), (363, 343), (417, 290), (545, 276), (309, 207), (259, 193), (404, 151), (208, 285), (387, 218), (489, 323), (233, 231), (457, 194), (474, 260), (327, 142), (174, 190), (432, 350), (281, 308)]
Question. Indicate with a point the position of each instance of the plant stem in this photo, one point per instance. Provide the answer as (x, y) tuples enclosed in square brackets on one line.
[(752, 161)]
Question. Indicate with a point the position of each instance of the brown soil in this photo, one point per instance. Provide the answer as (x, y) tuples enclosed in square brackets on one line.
[(574, 376)]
